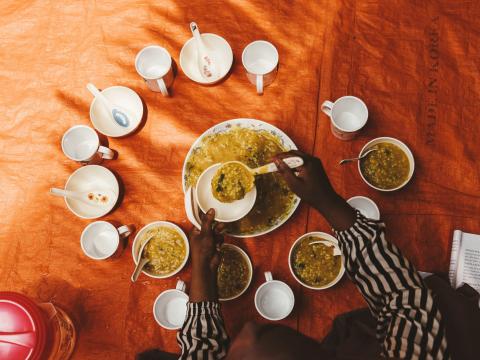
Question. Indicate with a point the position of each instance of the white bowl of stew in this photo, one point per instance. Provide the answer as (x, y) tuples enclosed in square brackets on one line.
[(389, 168), (310, 273), (235, 274)]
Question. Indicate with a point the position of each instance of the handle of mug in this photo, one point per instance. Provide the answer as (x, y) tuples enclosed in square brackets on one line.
[(268, 276), (327, 107), (163, 87), (124, 230), (106, 152), (180, 285), (259, 84)]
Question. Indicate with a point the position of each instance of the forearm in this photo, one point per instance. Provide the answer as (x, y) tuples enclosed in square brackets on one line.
[(339, 214), (204, 283)]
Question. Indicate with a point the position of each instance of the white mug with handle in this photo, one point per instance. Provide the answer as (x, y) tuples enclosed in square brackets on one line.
[(170, 307), (274, 299), (81, 143), (260, 60), (348, 116), (154, 65), (100, 239)]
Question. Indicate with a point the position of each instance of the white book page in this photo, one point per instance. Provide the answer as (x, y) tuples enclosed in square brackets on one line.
[(469, 261), (452, 272)]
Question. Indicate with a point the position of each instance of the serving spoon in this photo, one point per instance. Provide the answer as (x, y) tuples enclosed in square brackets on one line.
[(142, 262), (292, 162), (117, 113), (344, 161), (336, 251), (206, 62), (93, 197)]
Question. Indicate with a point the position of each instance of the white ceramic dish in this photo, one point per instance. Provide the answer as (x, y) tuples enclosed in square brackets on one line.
[(402, 146), (91, 177), (252, 124), (274, 299), (224, 212), (221, 51), (324, 236), (170, 307), (366, 206), (137, 245), (250, 267), (123, 96)]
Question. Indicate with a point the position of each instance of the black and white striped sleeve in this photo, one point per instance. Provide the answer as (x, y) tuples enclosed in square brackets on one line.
[(203, 335), (409, 323)]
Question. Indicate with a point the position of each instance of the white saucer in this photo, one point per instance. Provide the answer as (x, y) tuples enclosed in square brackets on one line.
[(91, 177), (224, 212), (366, 207), (126, 98), (221, 51)]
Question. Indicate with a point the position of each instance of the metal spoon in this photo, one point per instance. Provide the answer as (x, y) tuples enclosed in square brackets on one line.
[(142, 262), (118, 114), (336, 251), (344, 161)]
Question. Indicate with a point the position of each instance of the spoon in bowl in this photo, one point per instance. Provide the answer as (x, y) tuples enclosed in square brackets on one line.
[(336, 251), (141, 262), (344, 161), (93, 197), (206, 62), (117, 113)]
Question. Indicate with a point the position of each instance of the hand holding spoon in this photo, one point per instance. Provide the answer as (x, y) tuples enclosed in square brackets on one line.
[(118, 114), (292, 162), (344, 161), (205, 60), (94, 197)]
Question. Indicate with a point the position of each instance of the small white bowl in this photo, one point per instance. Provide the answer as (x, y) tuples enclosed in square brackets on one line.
[(323, 236), (137, 245), (250, 268), (224, 212), (87, 178), (393, 141), (126, 98), (366, 206), (221, 51)]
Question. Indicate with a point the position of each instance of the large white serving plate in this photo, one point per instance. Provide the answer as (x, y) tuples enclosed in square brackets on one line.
[(252, 124)]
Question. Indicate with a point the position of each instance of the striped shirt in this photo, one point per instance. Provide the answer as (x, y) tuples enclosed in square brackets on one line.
[(409, 323)]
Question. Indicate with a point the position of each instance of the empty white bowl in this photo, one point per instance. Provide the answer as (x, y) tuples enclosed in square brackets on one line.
[(137, 245), (220, 50), (224, 212), (87, 178), (366, 206), (323, 236), (393, 141), (124, 97)]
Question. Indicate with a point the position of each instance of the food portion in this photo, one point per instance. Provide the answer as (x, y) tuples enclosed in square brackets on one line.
[(387, 167), (166, 251), (314, 264), (231, 182), (233, 273), (253, 148)]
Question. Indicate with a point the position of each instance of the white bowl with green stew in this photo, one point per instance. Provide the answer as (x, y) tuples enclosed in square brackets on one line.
[(314, 265), (390, 167)]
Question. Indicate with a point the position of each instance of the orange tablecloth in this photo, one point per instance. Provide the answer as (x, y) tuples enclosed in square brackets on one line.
[(416, 67)]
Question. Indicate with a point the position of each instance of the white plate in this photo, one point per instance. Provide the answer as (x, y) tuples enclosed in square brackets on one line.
[(252, 124), (250, 267), (366, 206), (137, 245), (393, 141), (87, 178), (324, 236), (224, 212), (126, 98), (221, 51)]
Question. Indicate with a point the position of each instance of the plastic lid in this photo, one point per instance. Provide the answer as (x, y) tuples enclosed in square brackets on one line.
[(23, 328)]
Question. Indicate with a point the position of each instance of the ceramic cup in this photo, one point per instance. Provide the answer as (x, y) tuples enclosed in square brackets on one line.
[(81, 143), (260, 60), (154, 65), (348, 115), (274, 299), (100, 239), (170, 307)]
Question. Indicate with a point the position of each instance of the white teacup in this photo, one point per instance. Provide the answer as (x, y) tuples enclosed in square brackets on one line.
[(154, 65), (274, 299), (170, 307), (81, 143), (260, 60), (348, 115), (100, 239)]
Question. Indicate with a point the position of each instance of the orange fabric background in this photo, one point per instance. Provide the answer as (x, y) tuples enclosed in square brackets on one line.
[(416, 67)]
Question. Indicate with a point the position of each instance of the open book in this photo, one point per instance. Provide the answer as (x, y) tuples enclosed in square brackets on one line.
[(465, 260)]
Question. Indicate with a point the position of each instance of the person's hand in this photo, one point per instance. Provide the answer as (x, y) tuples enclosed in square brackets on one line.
[(309, 181), (206, 242)]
